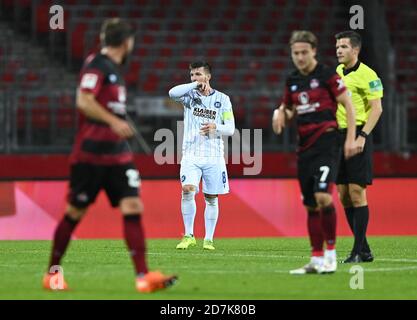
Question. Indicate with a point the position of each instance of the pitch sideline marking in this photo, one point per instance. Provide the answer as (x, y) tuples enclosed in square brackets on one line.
[(273, 256)]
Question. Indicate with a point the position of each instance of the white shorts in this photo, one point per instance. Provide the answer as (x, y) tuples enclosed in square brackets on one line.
[(213, 172)]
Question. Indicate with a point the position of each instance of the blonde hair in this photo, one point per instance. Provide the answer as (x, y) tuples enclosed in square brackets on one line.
[(303, 36)]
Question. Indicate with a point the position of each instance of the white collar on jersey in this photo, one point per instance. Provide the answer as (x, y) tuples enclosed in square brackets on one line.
[(198, 92)]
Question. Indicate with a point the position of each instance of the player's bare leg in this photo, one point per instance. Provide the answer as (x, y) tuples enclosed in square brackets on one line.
[(188, 209)]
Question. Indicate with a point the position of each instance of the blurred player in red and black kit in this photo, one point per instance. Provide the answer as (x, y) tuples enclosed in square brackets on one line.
[(102, 158), (311, 94)]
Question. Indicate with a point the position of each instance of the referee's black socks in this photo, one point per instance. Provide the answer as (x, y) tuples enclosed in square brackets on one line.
[(360, 224)]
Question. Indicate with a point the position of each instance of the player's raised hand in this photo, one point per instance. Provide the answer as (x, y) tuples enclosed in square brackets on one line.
[(122, 128), (278, 121), (204, 87)]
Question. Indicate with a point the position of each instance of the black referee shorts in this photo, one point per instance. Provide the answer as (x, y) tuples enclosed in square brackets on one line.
[(317, 167), (358, 169), (118, 181)]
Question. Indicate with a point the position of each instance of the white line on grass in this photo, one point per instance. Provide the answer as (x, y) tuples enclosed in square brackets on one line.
[(214, 271), (267, 256)]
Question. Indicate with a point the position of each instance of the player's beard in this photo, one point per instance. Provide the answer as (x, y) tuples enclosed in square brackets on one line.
[(125, 60), (125, 63)]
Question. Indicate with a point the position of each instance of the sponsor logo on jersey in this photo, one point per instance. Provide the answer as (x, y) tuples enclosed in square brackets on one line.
[(341, 84), (122, 94), (314, 83), (112, 78), (303, 97), (305, 106), (375, 85), (119, 107), (217, 104), (205, 113), (89, 81)]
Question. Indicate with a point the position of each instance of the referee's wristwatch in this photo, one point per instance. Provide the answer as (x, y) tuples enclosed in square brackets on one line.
[(363, 134)]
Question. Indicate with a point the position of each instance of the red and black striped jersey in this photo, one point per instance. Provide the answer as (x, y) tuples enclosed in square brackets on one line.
[(95, 142), (313, 97)]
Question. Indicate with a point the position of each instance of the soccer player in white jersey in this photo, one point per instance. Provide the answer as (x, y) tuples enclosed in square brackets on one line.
[(208, 116)]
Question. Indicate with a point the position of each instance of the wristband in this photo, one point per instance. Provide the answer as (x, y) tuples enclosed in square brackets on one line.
[(363, 134)]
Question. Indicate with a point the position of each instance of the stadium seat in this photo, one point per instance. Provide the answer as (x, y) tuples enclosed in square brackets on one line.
[(147, 39), (42, 18), (273, 78), (194, 39), (65, 118), (188, 52), (8, 77), (165, 52), (213, 52), (261, 117), (141, 52), (132, 76), (77, 41), (158, 13), (135, 13), (151, 83), (41, 117), (182, 65), (224, 80), (176, 26), (152, 27), (230, 64), (159, 64), (230, 14), (171, 39), (236, 52), (239, 113), (247, 27)]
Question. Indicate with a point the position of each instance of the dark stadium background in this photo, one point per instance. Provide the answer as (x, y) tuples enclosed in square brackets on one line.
[(246, 42)]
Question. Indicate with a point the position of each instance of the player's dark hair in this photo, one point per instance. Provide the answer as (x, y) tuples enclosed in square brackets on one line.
[(199, 64), (114, 31), (303, 36), (354, 37)]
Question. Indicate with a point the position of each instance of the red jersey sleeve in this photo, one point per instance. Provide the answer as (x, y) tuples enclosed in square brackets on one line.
[(91, 81), (336, 85)]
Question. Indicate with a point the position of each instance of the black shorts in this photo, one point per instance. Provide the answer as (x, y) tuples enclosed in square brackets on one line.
[(317, 167), (358, 169), (86, 180)]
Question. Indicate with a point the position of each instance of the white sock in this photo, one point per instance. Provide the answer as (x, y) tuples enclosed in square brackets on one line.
[(317, 260), (188, 209), (330, 254), (211, 214)]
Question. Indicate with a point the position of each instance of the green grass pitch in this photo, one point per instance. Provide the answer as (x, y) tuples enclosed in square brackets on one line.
[(247, 269)]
